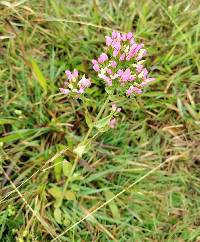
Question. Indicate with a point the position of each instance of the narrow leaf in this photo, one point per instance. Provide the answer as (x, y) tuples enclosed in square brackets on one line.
[(58, 168), (55, 192), (38, 75), (69, 195), (67, 166), (21, 134), (6, 121), (88, 119), (113, 206), (80, 150), (102, 122), (58, 215)]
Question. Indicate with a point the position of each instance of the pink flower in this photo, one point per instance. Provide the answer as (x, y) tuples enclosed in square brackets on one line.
[(74, 85), (115, 108), (108, 80), (133, 89), (138, 48), (132, 41), (94, 62), (84, 82), (132, 78), (75, 73), (141, 54), (137, 90), (109, 71), (108, 40), (102, 58), (122, 57), (129, 91), (134, 49), (116, 45), (128, 57), (115, 53), (120, 72), (114, 34), (113, 64), (139, 68), (81, 90), (126, 75), (147, 81), (124, 38), (129, 35), (69, 74), (96, 67), (118, 36), (112, 123), (145, 73), (64, 91)]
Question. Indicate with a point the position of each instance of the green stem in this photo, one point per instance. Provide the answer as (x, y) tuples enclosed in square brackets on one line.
[(97, 118), (70, 174), (84, 142)]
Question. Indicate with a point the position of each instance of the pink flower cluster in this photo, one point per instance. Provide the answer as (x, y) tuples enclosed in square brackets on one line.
[(115, 111), (113, 123), (122, 65), (74, 85)]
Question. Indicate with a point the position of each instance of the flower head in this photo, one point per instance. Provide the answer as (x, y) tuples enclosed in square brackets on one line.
[(112, 123), (121, 66), (75, 86), (102, 58), (115, 109)]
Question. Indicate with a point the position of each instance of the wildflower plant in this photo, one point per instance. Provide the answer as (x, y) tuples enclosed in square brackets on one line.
[(121, 69)]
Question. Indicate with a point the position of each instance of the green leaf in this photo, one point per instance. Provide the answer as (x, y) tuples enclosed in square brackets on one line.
[(38, 75), (88, 119), (67, 166), (113, 206), (180, 107), (7, 121), (58, 162), (192, 112), (69, 195), (102, 122), (55, 192), (80, 150), (58, 215), (58, 168), (21, 134), (58, 202), (66, 220)]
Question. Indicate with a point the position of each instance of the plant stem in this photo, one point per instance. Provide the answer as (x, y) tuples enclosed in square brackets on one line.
[(84, 142), (98, 116), (70, 174)]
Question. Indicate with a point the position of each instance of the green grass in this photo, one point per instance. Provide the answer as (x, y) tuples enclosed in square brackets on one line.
[(39, 40)]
